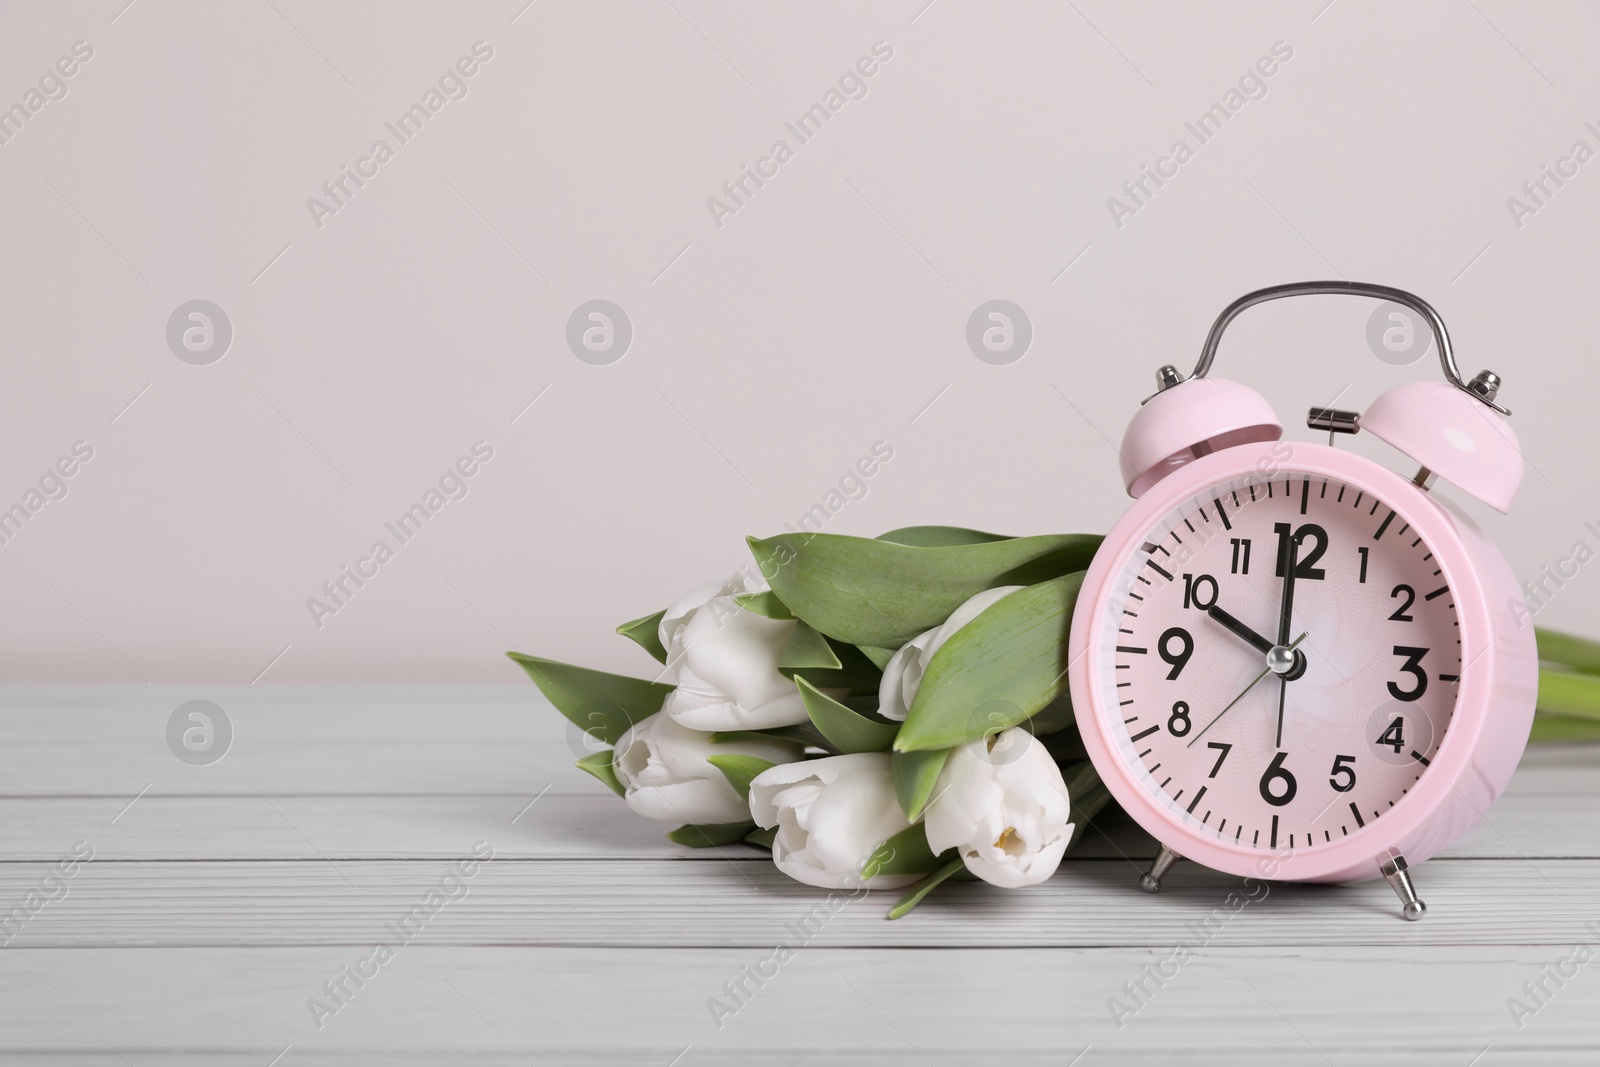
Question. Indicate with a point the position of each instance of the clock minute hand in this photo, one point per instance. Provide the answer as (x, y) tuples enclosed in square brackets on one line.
[(1290, 551)]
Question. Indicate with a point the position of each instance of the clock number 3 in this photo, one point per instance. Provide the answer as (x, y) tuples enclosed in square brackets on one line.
[(1413, 667)]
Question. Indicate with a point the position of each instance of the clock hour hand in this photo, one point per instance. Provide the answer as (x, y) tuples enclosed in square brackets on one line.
[(1239, 629), (1256, 641)]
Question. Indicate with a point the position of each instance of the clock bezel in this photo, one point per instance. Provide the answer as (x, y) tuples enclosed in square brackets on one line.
[(1409, 826)]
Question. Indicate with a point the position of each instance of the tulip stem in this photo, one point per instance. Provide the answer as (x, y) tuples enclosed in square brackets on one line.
[(955, 868)]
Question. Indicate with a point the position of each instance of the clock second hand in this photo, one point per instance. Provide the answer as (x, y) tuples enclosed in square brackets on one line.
[(1240, 697)]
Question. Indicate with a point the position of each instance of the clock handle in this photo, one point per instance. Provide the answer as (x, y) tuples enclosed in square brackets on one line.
[(1482, 388)]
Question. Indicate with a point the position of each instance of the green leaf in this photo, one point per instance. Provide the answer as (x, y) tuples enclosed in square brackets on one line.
[(869, 592), (1557, 728), (996, 671), (1006, 667), (739, 769), (1065, 746), (1569, 693), (917, 893), (1566, 650), (803, 734), (599, 765), (807, 648), (907, 852), (762, 838), (915, 774), (880, 657), (847, 729), (764, 603), (710, 835), (646, 633), (603, 705), (1086, 796), (855, 673), (939, 536)]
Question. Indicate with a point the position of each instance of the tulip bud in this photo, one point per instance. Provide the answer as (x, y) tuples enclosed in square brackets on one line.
[(831, 816), (1000, 801), (724, 661), (663, 770)]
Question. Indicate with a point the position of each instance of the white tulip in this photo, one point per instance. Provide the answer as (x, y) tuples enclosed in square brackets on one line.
[(831, 815), (724, 661), (662, 766), (902, 675), (1001, 802)]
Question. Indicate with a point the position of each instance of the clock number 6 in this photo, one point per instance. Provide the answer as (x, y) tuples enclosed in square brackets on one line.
[(1276, 770), (1176, 660), (1413, 667)]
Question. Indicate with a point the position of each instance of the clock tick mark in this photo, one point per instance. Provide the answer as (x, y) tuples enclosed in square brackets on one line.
[(1441, 591), (1384, 525), (1419, 757), (1159, 569), (1164, 784), (1142, 734), (1360, 822), (1196, 802), (1356, 503), (1223, 515)]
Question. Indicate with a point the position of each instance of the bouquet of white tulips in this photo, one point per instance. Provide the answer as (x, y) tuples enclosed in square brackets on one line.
[(887, 712)]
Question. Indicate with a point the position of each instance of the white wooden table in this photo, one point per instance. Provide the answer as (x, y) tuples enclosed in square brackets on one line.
[(223, 898)]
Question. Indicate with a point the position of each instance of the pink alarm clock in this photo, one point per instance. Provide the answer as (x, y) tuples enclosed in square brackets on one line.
[(1290, 662)]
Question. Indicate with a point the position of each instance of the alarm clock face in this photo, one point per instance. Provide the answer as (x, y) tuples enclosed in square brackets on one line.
[(1251, 758)]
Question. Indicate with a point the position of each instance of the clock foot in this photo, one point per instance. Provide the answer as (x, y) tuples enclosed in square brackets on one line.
[(1151, 883), (1397, 874)]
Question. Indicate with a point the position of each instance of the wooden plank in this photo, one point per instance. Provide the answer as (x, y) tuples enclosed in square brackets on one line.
[(596, 825), (1406, 1005), (748, 903), (392, 740)]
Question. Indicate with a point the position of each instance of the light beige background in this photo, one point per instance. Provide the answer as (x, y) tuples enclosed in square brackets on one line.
[(770, 353)]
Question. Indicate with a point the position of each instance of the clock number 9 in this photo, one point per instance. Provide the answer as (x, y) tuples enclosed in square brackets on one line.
[(1176, 660), (1277, 771)]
